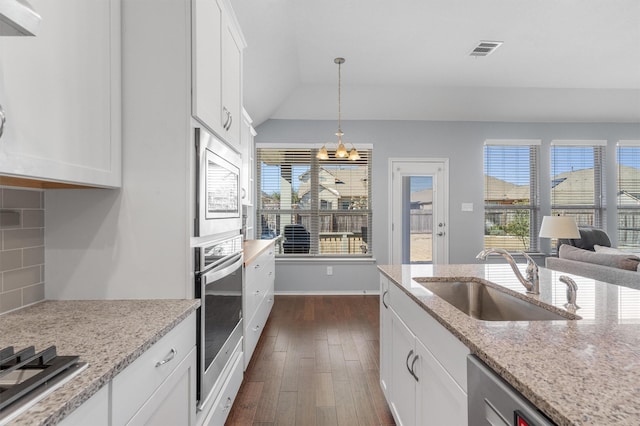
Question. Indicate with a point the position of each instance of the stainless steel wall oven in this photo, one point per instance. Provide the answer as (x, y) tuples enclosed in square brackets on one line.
[(219, 286)]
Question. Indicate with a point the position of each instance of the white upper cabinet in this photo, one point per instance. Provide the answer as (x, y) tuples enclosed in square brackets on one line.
[(60, 92), (217, 69), (247, 133)]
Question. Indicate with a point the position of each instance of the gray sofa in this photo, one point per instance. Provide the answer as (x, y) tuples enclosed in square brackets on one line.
[(578, 257)]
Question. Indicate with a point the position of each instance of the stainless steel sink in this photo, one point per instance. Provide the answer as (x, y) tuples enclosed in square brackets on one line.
[(487, 303)]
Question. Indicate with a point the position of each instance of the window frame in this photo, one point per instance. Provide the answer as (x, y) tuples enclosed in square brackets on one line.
[(599, 205), (622, 209), (316, 207), (533, 207)]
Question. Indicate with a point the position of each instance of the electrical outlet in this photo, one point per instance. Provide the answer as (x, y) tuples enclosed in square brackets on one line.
[(329, 270)]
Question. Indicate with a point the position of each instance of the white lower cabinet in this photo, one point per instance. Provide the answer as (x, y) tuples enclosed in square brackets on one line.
[(423, 366), (158, 388), (385, 336), (94, 411), (223, 402), (173, 403), (259, 279), (139, 390)]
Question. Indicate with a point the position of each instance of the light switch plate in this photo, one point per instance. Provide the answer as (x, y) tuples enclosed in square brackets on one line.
[(467, 207)]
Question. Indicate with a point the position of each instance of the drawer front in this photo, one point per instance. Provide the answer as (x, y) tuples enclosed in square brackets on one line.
[(256, 326), (259, 280), (224, 401), (133, 386)]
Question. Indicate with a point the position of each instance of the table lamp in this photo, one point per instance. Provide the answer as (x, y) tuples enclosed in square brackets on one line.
[(559, 227)]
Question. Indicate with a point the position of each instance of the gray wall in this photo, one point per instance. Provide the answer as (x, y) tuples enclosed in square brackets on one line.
[(460, 142)]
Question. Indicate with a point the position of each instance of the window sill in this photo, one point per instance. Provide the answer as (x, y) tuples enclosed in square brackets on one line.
[(319, 259)]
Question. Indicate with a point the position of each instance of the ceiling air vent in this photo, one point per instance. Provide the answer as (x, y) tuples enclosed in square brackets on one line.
[(485, 48)]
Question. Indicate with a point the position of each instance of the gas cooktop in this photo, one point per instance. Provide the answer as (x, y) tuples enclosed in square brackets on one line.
[(27, 376)]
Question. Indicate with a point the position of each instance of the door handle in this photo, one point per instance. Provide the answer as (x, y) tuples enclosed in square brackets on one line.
[(3, 119), (440, 234), (412, 371), (407, 362), (383, 295)]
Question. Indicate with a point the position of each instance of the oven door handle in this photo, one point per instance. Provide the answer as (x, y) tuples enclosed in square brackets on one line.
[(224, 268)]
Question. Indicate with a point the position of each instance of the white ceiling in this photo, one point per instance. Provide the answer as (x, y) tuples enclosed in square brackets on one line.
[(562, 60)]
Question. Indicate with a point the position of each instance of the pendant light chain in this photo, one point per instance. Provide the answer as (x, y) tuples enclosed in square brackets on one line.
[(339, 61)]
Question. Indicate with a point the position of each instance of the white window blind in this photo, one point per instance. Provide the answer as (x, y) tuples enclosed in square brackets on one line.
[(318, 207), (577, 181), (628, 194), (511, 194)]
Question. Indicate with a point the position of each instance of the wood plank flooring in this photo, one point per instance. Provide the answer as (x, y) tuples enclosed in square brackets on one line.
[(317, 363)]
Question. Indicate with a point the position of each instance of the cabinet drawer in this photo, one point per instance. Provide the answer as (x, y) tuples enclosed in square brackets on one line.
[(224, 401), (446, 348), (133, 386), (256, 326)]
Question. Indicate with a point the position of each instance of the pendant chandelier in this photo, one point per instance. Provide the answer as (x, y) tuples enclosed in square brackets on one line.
[(341, 151)]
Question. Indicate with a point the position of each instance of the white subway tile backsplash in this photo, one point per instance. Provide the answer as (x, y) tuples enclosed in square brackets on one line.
[(21, 248)]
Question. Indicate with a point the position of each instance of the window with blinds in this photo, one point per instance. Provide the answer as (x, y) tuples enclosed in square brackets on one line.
[(317, 207), (511, 204), (628, 193), (577, 181)]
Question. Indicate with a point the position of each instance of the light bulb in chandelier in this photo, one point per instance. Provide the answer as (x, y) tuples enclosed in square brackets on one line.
[(322, 154)]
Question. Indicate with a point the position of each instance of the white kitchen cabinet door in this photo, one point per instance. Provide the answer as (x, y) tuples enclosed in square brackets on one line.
[(403, 386), (247, 134), (60, 92), (231, 82), (439, 399), (94, 411), (385, 337), (174, 402), (207, 63), (217, 68)]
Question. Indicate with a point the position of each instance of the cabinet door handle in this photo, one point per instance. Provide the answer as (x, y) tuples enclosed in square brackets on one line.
[(407, 362), (383, 295), (172, 354), (230, 121), (256, 328), (257, 292), (256, 266), (227, 405), (3, 119), (413, 372), (226, 111)]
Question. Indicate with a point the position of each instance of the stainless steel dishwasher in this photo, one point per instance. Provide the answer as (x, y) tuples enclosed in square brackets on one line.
[(492, 401)]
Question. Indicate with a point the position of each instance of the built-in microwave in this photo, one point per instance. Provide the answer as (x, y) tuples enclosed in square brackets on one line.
[(218, 197)]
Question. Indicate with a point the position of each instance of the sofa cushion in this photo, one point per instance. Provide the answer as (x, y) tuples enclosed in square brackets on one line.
[(621, 261), (589, 237)]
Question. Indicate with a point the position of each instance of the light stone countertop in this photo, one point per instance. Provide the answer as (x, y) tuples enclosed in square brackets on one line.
[(253, 248), (578, 372), (107, 334)]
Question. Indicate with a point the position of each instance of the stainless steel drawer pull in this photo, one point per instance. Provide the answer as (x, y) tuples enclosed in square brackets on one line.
[(172, 355), (256, 266), (256, 328)]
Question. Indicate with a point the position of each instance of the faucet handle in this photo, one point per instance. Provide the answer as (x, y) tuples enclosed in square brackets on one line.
[(572, 292)]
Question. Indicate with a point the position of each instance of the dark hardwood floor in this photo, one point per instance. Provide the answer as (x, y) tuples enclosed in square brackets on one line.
[(316, 364)]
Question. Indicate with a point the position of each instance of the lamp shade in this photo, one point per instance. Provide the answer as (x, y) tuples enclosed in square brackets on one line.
[(559, 227)]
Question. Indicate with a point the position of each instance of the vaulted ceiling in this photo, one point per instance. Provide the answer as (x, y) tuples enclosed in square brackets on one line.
[(567, 60)]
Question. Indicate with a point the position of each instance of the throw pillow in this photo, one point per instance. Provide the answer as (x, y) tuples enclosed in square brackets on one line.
[(621, 261)]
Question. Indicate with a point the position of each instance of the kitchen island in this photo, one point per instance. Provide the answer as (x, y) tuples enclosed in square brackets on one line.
[(108, 335), (577, 372)]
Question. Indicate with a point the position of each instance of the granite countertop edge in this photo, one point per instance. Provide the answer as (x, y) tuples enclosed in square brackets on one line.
[(550, 387), (62, 402)]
